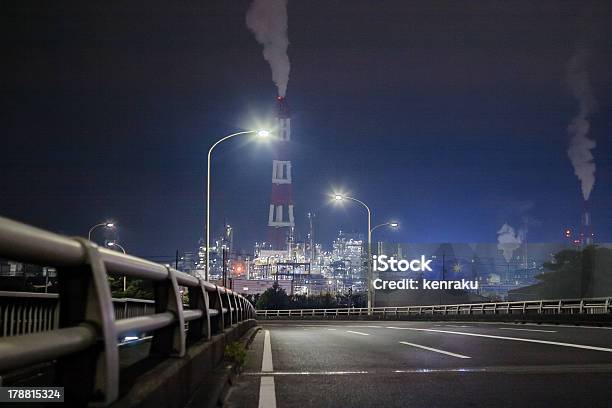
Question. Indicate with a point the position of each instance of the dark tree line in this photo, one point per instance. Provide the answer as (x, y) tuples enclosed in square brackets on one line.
[(572, 274), (277, 298)]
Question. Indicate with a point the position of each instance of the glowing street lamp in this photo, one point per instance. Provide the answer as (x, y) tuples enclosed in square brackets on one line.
[(340, 197), (262, 134), (391, 224), (106, 224), (113, 244)]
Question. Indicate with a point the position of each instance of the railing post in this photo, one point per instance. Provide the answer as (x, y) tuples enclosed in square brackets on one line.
[(198, 299), (238, 307), (91, 375), (169, 340), (216, 302), (227, 317), (235, 312), (241, 301), (540, 308)]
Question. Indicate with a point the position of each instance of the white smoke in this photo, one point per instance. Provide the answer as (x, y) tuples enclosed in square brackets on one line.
[(580, 146), (268, 21), (509, 240)]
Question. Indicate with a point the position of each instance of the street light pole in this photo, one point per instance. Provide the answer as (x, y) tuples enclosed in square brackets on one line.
[(391, 224), (261, 133), (114, 244), (102, 224), (340, 197)]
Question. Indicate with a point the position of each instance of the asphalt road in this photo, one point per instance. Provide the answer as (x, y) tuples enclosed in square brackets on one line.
[(425, 364)]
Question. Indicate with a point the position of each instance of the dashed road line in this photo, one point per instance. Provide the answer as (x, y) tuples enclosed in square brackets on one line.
[(267, 392), (435, 350), (266, 362), (529, 330), (552, 343), (356, 332)]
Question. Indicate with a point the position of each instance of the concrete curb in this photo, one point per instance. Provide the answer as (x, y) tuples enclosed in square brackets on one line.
[(213, 391), (578, 320), (174, 383)]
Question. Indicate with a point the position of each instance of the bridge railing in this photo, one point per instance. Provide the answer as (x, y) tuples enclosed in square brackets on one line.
[(86, 325), (28, 312), (541, 307)]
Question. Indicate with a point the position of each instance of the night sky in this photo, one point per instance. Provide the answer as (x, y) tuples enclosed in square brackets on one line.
[(448, 116)]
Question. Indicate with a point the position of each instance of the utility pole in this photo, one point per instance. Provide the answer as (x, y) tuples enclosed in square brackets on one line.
[(224, 267), (176, 261), (443, 274)]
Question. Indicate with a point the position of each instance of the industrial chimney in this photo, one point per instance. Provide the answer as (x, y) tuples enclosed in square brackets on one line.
[(586, 235), (280, 216)]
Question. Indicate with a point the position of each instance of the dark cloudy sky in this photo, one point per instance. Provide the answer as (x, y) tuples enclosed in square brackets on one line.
[(447, 115)]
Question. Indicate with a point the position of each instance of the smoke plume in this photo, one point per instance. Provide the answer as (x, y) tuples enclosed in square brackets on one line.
[(268, 21), (580, 146), (509, 241)]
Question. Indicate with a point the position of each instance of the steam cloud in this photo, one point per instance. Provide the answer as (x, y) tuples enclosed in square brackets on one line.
[(509, 241), (268, 21), (580, 146)]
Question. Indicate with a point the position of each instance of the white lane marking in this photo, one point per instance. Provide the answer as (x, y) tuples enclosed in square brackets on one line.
[(529, 330), (354, 332), (266, 362), (267, 394), (434, 350), (331, 329), (312, 373), (540, 369), (543, 325), (552, 343)]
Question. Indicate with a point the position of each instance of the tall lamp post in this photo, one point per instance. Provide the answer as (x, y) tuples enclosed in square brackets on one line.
[(391, 224), (259, 133), (340, 197), (116, 245), (102, 224)]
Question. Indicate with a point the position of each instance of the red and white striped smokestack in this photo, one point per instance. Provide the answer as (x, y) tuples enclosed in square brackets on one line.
[(586, 234), (280, 215)]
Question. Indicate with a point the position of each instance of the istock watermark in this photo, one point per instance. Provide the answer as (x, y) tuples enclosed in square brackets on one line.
[(414, 284), (384, 263)]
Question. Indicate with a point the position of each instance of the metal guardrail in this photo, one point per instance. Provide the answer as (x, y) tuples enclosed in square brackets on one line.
[(29, 312), (560, 306), (85, 342)]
